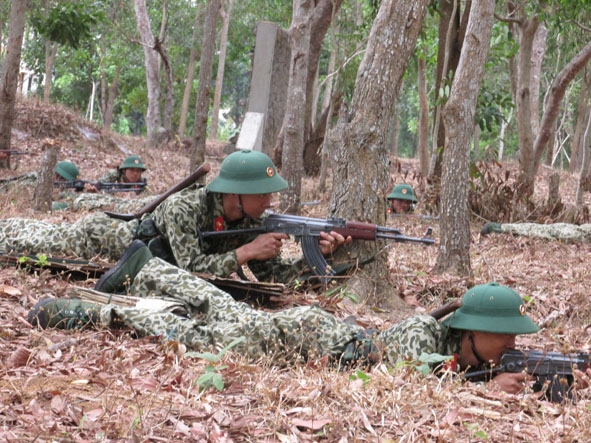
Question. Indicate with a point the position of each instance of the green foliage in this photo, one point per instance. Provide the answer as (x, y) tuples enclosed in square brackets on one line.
[(41, 260), (342, 292), (212, 376), (360, 375), (429, 360), (67, 23)]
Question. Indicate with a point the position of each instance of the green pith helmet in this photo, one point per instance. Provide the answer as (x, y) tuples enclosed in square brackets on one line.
[(67, 170), (403, 192), (247, 172), (492, 308), (133, 162)]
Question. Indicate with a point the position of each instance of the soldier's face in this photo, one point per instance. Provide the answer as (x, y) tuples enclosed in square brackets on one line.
[(491, 346), (399, 206), (255, 205), (132, 175)]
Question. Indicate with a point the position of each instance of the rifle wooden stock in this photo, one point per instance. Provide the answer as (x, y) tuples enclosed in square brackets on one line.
[(447, 308), (195, 175)]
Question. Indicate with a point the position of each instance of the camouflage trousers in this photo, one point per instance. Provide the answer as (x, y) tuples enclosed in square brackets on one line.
[(216, 319), (91, 236), (90, 202), (555, 231)]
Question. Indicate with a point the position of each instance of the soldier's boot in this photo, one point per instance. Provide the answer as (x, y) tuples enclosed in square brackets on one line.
[(64, 313), (120, 276), (490, 228)]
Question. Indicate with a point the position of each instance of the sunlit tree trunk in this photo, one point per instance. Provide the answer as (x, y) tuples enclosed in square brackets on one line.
[(50, 54), (219, 81), (423, 136), (153, 119)]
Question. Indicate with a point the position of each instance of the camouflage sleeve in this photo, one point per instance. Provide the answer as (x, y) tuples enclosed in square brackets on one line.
[(277, 270), (411, 337), (110, 177), (179, 218)]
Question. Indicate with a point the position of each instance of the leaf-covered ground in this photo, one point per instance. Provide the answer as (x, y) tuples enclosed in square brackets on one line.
[(105, 385)]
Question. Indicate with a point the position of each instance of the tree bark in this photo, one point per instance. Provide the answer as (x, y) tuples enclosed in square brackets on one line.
[(454, 247), (162, 49), (50, 54), (10, 70), (423, 139), (295, 108), (452, 28), (548, 124), (153, 118), (219, 80), (203, 93), (42, 197), (359, 141), (578, 143)]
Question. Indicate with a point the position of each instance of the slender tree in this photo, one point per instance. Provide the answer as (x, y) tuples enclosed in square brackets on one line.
[(204, 92), (458, 117)]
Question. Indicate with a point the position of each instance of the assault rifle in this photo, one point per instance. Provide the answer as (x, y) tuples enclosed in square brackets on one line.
[(9, 152), (306, 231), (78, 186), (552, 371)]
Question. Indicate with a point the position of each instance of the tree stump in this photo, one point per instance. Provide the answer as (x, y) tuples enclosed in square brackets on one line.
[(42, 197)]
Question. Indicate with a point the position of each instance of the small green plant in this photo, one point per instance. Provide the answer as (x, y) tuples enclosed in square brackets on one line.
[(342, 292), (360, 375), (40, 260), (212, 376), (427, 360), (475, 432)]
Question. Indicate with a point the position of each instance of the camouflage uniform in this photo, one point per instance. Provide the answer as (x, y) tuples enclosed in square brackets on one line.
[(178, 219), (215, 319), (89, 202), (555, 231), (94, 235)]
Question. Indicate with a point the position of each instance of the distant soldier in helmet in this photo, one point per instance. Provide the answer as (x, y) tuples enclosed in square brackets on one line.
[(401, 199), (130, 171), (237, 198)]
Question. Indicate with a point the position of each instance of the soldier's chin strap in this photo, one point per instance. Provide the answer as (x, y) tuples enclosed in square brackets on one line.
[(245, 217), (481, 361)]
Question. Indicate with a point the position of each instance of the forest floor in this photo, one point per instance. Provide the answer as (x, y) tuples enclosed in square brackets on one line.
[(106, 385)]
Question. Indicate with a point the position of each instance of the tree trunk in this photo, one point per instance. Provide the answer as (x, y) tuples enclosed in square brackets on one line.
[(359, 144), (203, 93), (153, 119), (109, 104), (295, 108), (320, 19), (323, 14), (50, 54), (162, 49), (583, 110), (10, 70), (190, 73), (548, 124), (452, 28), (454, 247), (219, 81), (423, 139)]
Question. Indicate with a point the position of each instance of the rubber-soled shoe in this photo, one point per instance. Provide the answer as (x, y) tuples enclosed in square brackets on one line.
[(122, 274), (490, 228), (64, 313)]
